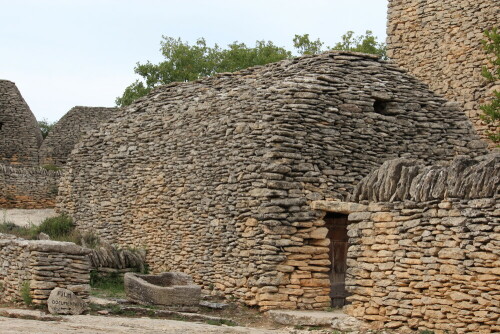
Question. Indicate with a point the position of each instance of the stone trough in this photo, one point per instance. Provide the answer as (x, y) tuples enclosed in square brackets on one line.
[(169, 288)]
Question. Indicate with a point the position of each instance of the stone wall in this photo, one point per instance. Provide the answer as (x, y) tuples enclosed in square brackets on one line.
[(44, 265), (28, 188), (68, 130), (20, 136), (424, 252), (440, 43), (214, 177)]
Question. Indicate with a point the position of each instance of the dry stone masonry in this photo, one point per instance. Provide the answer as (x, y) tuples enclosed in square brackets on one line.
[(42, 265), (20, 136), (214, 177), (440, 43), (425, 249), (28, 188), (68, 130)]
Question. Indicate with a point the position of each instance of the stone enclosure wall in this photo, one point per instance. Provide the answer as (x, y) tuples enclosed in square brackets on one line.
[(214, 177), (440, 43), (20, 136), (68, 130), (28, 188), (424, 251), (43, 265)]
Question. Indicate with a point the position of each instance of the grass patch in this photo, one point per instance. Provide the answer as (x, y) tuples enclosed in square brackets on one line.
[(25, 232), (220, 322), (51, 167), (60, 228), (107, 285)]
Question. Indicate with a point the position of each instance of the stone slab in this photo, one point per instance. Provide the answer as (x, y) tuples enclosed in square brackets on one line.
[(64, 301), (336, 319)]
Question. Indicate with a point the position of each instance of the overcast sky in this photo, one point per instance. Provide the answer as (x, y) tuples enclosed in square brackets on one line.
[(63, 53)]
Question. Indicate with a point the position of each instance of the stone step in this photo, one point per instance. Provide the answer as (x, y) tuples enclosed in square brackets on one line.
[(335, 319)]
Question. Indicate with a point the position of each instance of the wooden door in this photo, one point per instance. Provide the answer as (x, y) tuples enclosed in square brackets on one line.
[(339, 242)]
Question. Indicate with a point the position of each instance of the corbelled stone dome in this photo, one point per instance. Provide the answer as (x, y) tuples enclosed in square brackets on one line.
[(20, 135)]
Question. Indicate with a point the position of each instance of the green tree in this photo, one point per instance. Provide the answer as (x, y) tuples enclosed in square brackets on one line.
[(307, 47), (491, 111), (363, 43), (185, 62), (45, 126)]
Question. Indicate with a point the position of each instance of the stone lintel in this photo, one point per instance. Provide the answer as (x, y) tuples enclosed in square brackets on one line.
[(338, 207)]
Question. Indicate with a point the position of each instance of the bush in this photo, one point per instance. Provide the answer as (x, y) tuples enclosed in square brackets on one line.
[(26, 293), (57, 227)]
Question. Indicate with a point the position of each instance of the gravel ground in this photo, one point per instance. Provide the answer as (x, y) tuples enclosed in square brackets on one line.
[(88, 324), (24, 217)]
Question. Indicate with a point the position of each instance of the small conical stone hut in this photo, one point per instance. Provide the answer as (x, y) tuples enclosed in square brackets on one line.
[(20, 136), (68, 130)]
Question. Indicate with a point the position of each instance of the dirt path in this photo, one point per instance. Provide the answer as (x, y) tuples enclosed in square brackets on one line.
[(88, 324)]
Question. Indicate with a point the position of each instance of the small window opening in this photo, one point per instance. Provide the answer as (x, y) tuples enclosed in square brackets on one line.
[(1, 125), (380, 107)]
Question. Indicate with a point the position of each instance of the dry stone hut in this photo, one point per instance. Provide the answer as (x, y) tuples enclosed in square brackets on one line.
[(216, 177), (440, 43), (66, 133), (20, 136), (425, 246)]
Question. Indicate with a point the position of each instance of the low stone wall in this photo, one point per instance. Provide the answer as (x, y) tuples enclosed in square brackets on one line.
[(424, 253), (44, 265), (28, 188)]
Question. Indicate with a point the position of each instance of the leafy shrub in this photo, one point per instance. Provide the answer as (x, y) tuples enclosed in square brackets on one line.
[(57, 227)]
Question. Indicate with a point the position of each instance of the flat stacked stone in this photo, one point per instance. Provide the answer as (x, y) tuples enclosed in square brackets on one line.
[(68, 131), (28, 187), (20, 136), (214, 177), (440, 43), (425, 251), (43, 265)]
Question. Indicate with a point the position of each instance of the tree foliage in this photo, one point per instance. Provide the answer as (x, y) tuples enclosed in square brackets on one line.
[(45, 126), (491, 111), (185, 62)]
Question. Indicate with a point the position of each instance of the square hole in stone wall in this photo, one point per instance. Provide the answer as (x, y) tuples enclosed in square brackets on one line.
[(380, 107)]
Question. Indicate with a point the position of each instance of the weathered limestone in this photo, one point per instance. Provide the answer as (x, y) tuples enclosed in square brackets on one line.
[(44, 265), (64, 301), (427, 255), (28, 188), (68, 130), (170, 289), (440, 43), (215, 177), (20, 136), (109, 259)]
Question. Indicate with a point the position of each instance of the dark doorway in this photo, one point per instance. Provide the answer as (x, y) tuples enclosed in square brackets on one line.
[(339, 242)]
